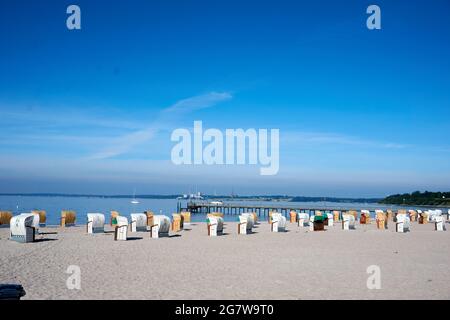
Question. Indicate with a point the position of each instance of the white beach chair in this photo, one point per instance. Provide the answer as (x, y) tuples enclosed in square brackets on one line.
[(278, 222), (311, 223), (303, 219), (160, 227), (330, 219), (138, 222), (246, 220), (95, 223), (121, 230), (214, 225), (439, 223), (348, 222), (21, 228), (403, 223)]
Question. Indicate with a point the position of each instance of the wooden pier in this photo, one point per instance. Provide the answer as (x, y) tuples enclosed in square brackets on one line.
[(203, 207)]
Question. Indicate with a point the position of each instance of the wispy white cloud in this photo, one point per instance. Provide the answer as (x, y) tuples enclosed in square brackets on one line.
[(125, 143)]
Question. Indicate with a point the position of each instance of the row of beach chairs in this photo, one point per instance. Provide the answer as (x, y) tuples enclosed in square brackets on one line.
[(25, 227)]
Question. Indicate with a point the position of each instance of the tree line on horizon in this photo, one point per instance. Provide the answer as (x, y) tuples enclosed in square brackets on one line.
[(419, 198)]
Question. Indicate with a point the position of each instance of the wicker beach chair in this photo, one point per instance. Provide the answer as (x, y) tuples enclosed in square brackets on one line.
[(402, 223), (95, 223), (186, 217), (330, 219), (365, 217), (412, 215), (293, 216), (113, 218), (5, 217), (68, 218), (22, 228), (138, 222), (336, 215), (160, 227), (348, 221), (246, 222), (303, 219), (381, 219), (277, 222), (439, 224), (121, 229), (177, 222), (214, 224), (390, 215)]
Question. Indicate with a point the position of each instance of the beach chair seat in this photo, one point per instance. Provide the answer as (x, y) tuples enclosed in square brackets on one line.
[(381, 219), (303, 219), (138, 222), (22, 229), (95, 223), (293, 216), (402, 223), (68, 218), (214, 224), (5, 217), (121, 228), (348, 221), (439, 223), (160, 227)]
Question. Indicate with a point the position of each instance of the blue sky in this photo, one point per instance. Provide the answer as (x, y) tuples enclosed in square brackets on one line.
[(360, 112)]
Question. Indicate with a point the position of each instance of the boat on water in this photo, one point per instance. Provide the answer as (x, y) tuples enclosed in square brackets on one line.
[(134, 200)]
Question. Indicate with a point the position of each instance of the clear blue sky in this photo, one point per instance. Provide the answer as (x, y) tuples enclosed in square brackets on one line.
[(360, 112)]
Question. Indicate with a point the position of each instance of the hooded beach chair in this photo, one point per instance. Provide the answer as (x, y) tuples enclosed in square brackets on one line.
[(439, 223), (121, 229), (293, 216), (214, 224), (402, 223), (95, 223), (412, 215), (330, 221), (255, 217), (113, 218), (22, 229), (365, 217), (177, 222), (348, 221), (433, 214), (277, 222), (250, 219), (423, 217), (317, 221), (5, 217), (138, 222), (186, 215), (245, 224), (160, 227), (336, 215), (390, 215), (303, 219), (42, 217), (381, 219), (68, 218)]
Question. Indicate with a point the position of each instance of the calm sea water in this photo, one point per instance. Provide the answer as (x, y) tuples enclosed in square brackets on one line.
[(83, 205)]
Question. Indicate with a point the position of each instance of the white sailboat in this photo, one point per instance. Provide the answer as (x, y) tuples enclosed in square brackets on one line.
[(134, 200)]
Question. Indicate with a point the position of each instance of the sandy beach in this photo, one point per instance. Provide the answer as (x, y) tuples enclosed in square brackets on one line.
[(297, 264)]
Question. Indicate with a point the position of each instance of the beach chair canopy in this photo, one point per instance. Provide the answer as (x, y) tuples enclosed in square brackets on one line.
[(349, 217), (35, 219), (303, 215), (250, 219)]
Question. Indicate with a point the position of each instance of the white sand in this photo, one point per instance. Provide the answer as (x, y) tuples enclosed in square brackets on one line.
[(295, 265)]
